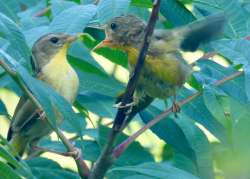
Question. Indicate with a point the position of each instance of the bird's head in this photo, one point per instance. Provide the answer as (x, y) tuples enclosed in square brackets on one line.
[(46, 47), (123, 31)]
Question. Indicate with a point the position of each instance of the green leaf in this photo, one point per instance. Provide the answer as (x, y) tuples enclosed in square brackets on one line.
[(115, 56), (108, 9), (156, 170), (186, 138), (211, 72), (99, 104), (80, 57), (73, 20), (237, 16), (3, 110), (142, 3), (140, 154), (7, 172), (211, 100), (5, 156), (234, 50), (247, 80), (104, 85), (176, 12), (17, 46), (45, 168), (58, 6), (28, 18), (33, 34), (169, 131), (197, 110), (9, 8)]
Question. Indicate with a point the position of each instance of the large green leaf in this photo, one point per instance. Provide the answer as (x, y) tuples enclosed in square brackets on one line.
[(186, 138), (73, 20), (80, 57), (155, 170), (211, 71), (7, 172), (108, 9), (3, 110), (9, 8), (237, 16), (99, 104), (20, 167), (176, 12), (17, 46), (235, 51), (104, 85), (140, 154), (45, 168), (58, 6), (29, 18)]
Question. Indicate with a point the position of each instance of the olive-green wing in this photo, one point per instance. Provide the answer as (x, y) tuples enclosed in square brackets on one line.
[(25, 110), (188, 37)]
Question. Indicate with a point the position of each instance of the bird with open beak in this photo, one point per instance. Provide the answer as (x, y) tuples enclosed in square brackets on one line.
[(164, 70)]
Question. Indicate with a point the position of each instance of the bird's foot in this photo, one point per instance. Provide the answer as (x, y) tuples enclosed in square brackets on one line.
[(129, 106), (41, 114), (120, 106), (175, 109), (76, 153)]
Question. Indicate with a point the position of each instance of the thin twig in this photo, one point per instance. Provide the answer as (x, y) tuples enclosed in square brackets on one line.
[(81, 165), (42, 12), (106, 159), (124, 145)]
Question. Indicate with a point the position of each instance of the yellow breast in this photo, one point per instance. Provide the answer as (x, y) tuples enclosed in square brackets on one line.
[(61, 76)]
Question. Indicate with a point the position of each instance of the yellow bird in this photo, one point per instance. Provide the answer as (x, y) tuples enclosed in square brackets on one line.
[(164, 70), (50, 64)]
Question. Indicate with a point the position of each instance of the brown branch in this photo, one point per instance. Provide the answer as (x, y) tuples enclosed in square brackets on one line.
[(106, 159), (81, 165), (124, 145)]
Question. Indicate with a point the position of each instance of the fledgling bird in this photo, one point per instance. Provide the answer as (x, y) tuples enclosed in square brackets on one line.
[(50, 64), (164, 70)]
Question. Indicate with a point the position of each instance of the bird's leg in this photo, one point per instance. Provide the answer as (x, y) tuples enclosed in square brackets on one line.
[(175, 107), (120, 106), (41, 114)]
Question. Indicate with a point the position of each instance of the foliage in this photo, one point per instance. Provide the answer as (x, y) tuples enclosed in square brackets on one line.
[(208, 139)]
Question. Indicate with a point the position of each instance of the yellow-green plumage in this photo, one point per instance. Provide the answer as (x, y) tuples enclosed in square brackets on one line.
[(164, 70), (51, 66)]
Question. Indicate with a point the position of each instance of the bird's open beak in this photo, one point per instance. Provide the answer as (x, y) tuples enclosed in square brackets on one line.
[(104, 43)]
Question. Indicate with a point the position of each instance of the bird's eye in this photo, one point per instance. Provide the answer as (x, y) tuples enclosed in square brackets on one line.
[(54, 40), (113, 26), (158, 37)]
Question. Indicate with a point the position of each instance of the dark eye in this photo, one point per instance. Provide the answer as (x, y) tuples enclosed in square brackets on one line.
[(113, 26), (158, 37), (54, 40)]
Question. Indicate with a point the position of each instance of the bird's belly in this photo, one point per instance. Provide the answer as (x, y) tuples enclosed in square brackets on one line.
[(65, 82), (154, 87)]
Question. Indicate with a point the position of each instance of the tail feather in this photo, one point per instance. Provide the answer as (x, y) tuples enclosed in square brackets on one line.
[(19, 144), (202, 31)]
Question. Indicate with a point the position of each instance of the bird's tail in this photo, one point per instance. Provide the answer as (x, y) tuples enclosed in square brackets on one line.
[(18, 143), (201, 31)]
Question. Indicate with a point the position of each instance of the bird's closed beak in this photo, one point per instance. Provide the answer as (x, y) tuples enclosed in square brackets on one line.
[(73, 38), (104, 43)]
